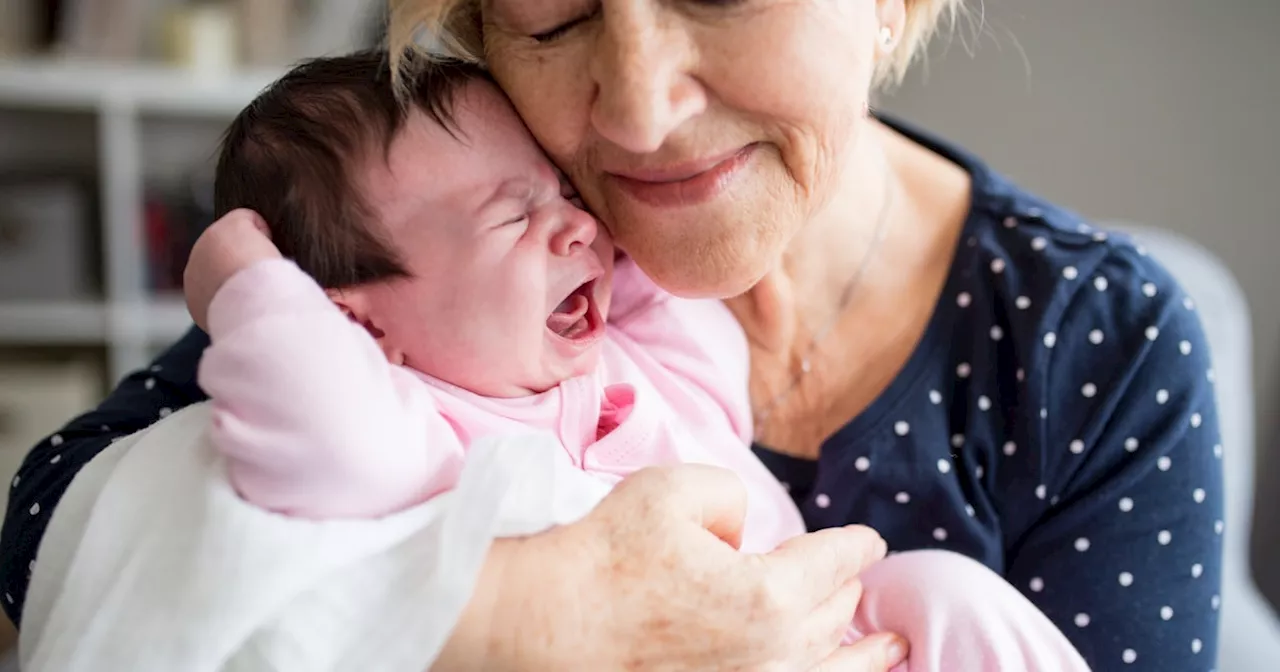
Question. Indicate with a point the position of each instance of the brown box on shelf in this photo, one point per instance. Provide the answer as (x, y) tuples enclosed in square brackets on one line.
[(45, 239)]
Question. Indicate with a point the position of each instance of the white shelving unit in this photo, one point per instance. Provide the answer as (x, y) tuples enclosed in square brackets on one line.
[(128, 322)]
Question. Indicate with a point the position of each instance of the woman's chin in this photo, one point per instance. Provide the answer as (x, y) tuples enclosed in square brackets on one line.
[(702, 257), (701, 276)]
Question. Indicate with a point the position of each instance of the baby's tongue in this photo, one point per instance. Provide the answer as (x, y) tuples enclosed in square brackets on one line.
[(567, 314)]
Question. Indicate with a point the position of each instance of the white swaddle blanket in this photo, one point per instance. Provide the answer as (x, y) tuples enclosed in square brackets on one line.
[(152, 563)]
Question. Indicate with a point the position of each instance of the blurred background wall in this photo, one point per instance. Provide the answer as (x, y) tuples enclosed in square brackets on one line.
[(1160, 112)]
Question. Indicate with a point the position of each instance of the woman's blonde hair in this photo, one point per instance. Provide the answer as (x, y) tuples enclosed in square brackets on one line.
[(456, 29)]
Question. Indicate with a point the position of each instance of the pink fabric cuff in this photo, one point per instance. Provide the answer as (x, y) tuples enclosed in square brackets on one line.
[(267, 287)]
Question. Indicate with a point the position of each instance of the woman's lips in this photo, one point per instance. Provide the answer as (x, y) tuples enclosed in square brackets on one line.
[(686, 184)]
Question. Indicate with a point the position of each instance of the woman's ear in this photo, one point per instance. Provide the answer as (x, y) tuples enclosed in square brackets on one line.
[(358, 307), (892, 18)]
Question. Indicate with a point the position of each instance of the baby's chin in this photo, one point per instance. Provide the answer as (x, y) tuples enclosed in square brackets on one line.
[(563, 368), (540, 377)]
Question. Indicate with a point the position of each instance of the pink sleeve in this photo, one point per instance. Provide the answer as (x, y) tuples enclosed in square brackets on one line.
[(312, 419), (958, 615), (696, 339)]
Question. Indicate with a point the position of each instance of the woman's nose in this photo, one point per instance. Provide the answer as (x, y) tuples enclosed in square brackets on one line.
[(577, 229), (642, 71)]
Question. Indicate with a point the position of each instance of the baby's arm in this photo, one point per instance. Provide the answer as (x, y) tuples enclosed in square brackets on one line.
[(959, 615), (311, 418)]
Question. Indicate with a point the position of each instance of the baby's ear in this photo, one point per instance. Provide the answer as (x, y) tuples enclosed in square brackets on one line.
[(351, 303), (355, 304)]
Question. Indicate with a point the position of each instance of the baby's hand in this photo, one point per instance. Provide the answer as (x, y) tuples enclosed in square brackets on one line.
[(231, 244)]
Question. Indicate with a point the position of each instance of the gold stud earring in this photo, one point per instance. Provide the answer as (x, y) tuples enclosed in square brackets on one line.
[(886, 36)]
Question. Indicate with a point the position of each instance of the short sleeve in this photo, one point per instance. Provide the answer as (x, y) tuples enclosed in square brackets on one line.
[(1124, 537)]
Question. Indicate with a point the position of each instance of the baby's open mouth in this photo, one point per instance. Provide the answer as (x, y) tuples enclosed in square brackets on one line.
[(574, 318)]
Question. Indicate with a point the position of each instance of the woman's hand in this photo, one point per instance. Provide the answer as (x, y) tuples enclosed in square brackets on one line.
[(236, 241), (651, 579)]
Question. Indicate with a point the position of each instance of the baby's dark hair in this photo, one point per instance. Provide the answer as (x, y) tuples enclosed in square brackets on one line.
[(290, 154)]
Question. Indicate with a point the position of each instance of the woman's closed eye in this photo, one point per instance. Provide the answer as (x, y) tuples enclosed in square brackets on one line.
[(559, 31)]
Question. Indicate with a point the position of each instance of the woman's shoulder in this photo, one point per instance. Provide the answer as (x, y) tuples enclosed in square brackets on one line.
[(1036, 256), (1087, 312), (1052, 264)]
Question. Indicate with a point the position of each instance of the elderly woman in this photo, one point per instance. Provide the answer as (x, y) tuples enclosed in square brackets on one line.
[(936, 353)]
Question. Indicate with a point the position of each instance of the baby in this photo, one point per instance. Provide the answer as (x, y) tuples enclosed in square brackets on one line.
[(428, 278)]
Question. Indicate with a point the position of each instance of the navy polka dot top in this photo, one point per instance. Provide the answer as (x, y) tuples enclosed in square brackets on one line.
[(1056, 423)]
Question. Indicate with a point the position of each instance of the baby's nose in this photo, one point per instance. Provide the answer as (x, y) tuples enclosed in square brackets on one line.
[(576, 229)]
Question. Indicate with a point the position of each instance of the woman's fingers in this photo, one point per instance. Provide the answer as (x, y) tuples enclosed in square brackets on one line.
[(721, 501), (645, 550), (713, 498), (816, 565), (875, 653), (831, 619)]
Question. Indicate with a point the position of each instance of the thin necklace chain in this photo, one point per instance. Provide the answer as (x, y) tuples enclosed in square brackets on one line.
[(846, 297)]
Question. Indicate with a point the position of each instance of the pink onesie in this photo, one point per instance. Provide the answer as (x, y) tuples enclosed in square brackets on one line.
[(314, 422)]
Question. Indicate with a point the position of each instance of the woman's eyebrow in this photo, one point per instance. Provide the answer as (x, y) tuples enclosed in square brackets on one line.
[(488, 7), (511, 12)]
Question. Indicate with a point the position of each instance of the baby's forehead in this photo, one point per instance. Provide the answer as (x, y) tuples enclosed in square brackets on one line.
[(480, 108), (454, 165)]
